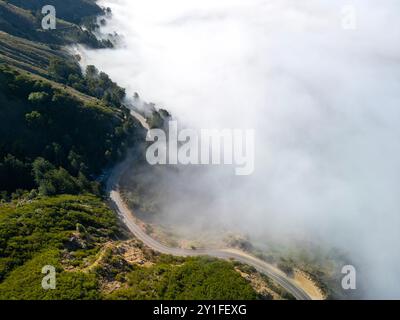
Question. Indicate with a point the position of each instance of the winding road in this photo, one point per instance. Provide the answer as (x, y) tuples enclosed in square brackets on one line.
[(127, 217)]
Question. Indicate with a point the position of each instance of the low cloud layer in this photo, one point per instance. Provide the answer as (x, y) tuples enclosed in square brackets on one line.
[(324, 101)]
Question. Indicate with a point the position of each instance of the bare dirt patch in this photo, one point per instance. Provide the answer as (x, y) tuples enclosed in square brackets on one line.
[(305, 281)]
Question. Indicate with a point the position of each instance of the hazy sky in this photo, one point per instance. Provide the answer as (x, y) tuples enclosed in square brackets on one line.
[(324, 101)]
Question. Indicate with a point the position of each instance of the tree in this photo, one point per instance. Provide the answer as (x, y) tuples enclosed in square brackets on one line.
[(37, 98), (60, 69), (40, 168), (92, 72), (34, 119)]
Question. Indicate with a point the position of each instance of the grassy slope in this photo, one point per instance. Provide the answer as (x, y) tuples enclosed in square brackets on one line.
[(28, 55), (26, 24)]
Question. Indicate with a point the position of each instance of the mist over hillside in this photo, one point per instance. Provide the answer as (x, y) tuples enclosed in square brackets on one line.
[(323, 99)]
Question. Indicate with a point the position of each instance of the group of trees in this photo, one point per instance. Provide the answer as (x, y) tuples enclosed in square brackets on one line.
[(66, 140), (92, 82), (51, 180), (47, 125)]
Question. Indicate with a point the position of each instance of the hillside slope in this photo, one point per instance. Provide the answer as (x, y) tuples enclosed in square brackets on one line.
[(26, 22), (76, 235), (62, 128)]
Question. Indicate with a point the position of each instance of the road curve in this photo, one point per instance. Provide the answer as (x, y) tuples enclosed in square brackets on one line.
[(127, 217)]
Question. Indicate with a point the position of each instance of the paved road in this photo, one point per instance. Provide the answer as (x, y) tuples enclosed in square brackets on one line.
[(127, 217)]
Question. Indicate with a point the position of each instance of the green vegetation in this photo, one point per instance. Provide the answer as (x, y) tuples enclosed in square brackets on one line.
[(30, 56), (23, 19), (48, 223), (62, 128), (94, 83), (67, 124), (24, 283), (72, 138), (69, 231), (196, 278), (39, 232)]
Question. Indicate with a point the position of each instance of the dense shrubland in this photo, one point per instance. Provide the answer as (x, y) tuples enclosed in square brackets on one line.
[(195, 278), (48, 229)]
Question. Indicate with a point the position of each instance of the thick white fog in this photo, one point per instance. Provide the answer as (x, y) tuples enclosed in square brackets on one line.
[(323, 98)]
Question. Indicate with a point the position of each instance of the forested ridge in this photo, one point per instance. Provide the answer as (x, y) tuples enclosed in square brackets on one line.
[(46, 128), (61, 126)]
